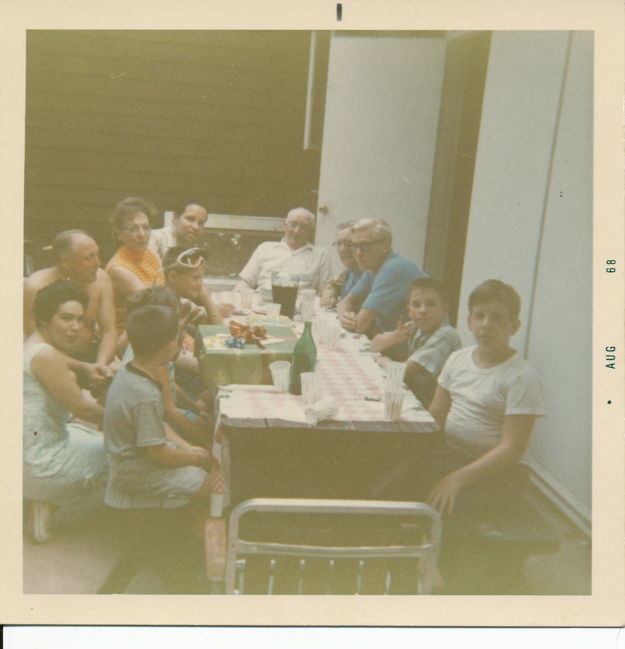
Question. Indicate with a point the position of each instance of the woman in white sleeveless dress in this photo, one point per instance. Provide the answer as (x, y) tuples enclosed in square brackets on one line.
[(62, 461)]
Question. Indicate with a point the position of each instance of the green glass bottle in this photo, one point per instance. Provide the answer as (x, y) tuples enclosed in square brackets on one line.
[(304, 358)]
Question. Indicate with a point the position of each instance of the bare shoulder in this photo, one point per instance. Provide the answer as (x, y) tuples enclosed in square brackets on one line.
[(119, 272), (39, 279), (47, 356), (124, 280), (102, 280)]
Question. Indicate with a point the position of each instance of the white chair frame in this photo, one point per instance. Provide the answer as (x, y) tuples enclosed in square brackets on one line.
[(238, 548)]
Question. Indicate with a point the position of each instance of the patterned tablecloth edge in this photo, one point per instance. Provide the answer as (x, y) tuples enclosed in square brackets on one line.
[(407, 427)]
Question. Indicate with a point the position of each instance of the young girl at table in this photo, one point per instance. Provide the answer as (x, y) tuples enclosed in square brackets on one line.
[(425, 342), (150, 466), (487, 399)]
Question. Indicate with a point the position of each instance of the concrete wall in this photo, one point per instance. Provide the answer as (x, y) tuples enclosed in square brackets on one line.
[(530, 225), (379, 135)]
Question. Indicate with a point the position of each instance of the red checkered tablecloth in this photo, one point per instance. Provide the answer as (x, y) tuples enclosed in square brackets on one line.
[(345, 376)]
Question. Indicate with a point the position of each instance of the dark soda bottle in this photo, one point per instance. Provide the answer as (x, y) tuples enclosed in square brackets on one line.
[(199, 346)]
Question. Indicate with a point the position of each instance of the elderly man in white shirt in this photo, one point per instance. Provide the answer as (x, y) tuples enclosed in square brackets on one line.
[(294, 254)]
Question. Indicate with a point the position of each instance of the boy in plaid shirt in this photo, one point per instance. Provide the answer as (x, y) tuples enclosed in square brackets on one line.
[(425, 342)]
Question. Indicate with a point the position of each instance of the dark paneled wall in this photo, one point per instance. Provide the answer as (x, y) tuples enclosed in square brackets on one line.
[(217, 117)]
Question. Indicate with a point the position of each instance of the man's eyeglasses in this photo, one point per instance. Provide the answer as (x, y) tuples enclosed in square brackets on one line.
[(135, 229), (364, 247), (191, 258), (341, 244)]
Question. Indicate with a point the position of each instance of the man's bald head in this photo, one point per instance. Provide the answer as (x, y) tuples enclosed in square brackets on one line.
[(77, 256), (65, 241), (303, 214), (299, 227)]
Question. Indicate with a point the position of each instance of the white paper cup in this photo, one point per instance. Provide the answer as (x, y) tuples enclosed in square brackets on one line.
[(280, 375), (393, 400), (272, 309), (311, 388), (307, 303), (394, 375), (316, 329), (332, 335), (246, 298)]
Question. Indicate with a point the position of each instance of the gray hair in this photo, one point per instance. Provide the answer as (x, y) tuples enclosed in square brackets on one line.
[(64, 242), (302, 210), (381, 228), (345, 224)]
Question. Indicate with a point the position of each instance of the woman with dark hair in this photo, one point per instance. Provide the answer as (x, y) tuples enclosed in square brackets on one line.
[(62, 461), (133, 267)]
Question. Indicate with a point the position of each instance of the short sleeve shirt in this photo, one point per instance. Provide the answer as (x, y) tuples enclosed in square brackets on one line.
[(133, 419), (162, 240), (312, 262), (386, 290), (350, 280), (171, 370), (482, 397), (433, 349)]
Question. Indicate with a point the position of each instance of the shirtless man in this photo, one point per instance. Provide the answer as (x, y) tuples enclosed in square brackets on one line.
[(77, 260)]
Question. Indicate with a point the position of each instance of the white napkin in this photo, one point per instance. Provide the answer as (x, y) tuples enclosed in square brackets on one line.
[(324, 408)]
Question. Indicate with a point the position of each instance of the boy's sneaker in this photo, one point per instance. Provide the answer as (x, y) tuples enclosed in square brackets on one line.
[(38, 520)]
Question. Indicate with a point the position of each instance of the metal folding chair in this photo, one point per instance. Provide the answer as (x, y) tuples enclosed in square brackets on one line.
[(314, 546)]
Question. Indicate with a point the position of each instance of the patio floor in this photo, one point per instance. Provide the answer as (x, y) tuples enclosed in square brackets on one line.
[(83, 548)]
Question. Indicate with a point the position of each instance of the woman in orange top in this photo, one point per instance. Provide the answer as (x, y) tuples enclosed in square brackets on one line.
[(133, 267)]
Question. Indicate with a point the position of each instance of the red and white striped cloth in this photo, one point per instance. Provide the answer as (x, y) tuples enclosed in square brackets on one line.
[(347, 377)]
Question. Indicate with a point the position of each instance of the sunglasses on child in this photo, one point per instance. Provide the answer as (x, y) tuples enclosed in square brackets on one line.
[(191, 258)]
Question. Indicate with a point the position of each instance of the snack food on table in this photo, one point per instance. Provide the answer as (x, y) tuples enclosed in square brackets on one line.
[(215, 342), (246, 333)]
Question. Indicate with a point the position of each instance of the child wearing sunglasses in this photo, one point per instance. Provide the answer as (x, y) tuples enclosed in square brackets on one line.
[(184, 274)]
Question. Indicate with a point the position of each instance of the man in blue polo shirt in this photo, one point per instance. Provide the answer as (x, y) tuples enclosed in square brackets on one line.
[(378, 299)]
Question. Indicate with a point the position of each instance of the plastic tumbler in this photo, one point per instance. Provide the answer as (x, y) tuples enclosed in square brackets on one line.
[(280, 375), (394, 375), (310, 387), (272, 309), (393, 400)]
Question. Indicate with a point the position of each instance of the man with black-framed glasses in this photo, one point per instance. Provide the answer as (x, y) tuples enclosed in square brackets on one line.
[(377, 300)]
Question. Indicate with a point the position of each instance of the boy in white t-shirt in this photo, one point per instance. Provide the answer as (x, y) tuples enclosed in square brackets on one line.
[(425, 342), (487, 400)]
